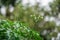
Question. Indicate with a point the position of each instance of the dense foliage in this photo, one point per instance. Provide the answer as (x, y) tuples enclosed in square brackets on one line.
[(34, 16), (17, 31)]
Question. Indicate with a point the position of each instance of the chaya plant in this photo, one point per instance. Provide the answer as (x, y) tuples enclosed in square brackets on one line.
[(17, 31)]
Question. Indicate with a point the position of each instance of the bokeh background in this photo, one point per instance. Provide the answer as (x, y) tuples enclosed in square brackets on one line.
[(42, 16)]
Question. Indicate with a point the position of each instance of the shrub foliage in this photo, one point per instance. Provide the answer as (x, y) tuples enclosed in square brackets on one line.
[(17, 31)]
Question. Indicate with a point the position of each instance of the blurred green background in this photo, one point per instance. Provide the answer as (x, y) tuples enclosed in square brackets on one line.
[(45, 21)]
